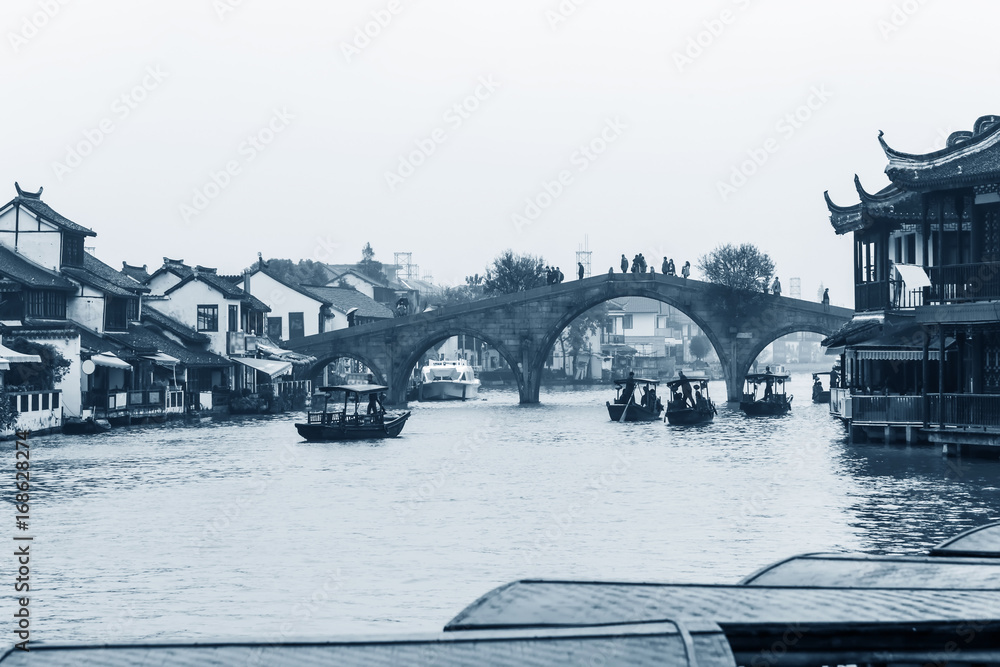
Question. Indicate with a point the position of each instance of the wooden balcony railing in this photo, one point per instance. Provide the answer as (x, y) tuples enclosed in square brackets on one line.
[(964, 409), (962, 283), (884, 410), (871, 296)]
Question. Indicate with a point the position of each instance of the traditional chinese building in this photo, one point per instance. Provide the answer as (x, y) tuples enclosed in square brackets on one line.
[(922, 356)]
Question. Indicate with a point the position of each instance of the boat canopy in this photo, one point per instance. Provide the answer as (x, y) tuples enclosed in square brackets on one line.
[(693, 379), (757, 378), (356, 388), (637, 380)]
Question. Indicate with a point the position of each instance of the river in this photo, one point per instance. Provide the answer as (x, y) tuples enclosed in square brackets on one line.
[(238, 528)]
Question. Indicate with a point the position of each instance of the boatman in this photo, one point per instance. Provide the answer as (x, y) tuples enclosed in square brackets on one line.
[(685, 389), (629, 388), (768, 383)]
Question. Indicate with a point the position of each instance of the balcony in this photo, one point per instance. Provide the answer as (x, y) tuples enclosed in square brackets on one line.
[(117, 404), (37, 411), (963, 283), (947, 409), (871, 296)]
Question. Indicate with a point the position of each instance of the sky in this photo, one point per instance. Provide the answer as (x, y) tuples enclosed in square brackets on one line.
[(211, 130)]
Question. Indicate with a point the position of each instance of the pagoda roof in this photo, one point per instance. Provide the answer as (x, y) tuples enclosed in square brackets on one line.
[(33, 202), (970, 158), (890, 204)]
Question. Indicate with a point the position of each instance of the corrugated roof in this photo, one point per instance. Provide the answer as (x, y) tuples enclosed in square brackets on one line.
[(22, 270), (343, 299)]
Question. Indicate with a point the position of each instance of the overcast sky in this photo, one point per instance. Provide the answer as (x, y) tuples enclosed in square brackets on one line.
[(209, 130)]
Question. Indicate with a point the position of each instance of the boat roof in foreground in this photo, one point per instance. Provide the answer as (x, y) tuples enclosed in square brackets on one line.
[(865, 571), (642, 380), (663, 643), (687, 378), (983, 541), (355, 388)]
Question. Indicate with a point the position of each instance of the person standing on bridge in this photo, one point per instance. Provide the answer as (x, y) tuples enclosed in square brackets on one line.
[(671, 269), (665, 267), (776, 287), (579, 270), (686, 270), (826, 299), (624, 264)]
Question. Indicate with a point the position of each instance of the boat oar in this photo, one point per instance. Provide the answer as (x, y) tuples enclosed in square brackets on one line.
[(621, 420)]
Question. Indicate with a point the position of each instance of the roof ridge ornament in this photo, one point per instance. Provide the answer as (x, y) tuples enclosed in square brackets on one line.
[(28, 195)]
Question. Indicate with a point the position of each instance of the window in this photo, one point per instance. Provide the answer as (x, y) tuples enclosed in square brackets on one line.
[(46, 304), (627, 322), (234, 318), (118, 312), (662, 321), (911, 248), (11, 306), (296, 325), (72, 250), (55, 401), (274, 328), (208, 318)]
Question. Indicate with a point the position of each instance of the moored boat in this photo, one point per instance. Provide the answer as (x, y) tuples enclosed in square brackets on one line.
[(819, 393), (453, 380), (774, 401), (627, 409), (685, 409), (340, 425)]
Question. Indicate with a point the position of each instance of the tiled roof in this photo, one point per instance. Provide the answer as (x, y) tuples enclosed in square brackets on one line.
[(97, 274), (22, 270), (138, 273), (224, 287), (970, 158), (144, 340), (344, 299), (157, 319), (33, 202)]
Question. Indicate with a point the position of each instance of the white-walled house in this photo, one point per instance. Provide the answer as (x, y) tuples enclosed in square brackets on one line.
[(295, 310)]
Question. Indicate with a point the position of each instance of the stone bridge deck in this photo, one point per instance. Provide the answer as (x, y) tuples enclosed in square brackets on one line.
[(524, 326)]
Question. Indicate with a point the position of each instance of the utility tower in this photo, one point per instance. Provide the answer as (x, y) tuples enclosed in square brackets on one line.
[(795, 288)]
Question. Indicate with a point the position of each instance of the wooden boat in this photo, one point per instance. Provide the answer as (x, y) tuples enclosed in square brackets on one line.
[(981, 542), (77, 426), (698, 410), (627, 408), (773, 400), (340, 425), (821, 395)]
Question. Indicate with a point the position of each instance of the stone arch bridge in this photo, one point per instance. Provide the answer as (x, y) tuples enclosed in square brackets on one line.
[(523, 328)]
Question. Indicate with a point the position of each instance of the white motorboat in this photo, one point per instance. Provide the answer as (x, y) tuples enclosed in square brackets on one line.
[(448, 381)]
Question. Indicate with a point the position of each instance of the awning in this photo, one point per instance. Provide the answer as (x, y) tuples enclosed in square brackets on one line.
[(914, 276), (4, 364), (109, 360), (19, 357), (161, 358), (268, 366), (896, 355)]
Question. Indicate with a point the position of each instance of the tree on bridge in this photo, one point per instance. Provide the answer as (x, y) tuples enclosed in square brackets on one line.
[(510, 273), (470, 291), (742, 273), (741, 268)]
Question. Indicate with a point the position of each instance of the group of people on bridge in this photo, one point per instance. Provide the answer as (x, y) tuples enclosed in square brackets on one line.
[(639, 265)]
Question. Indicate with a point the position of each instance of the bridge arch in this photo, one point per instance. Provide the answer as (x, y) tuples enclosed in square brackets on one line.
[(419, 347), (745, 361), (618, 290)]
